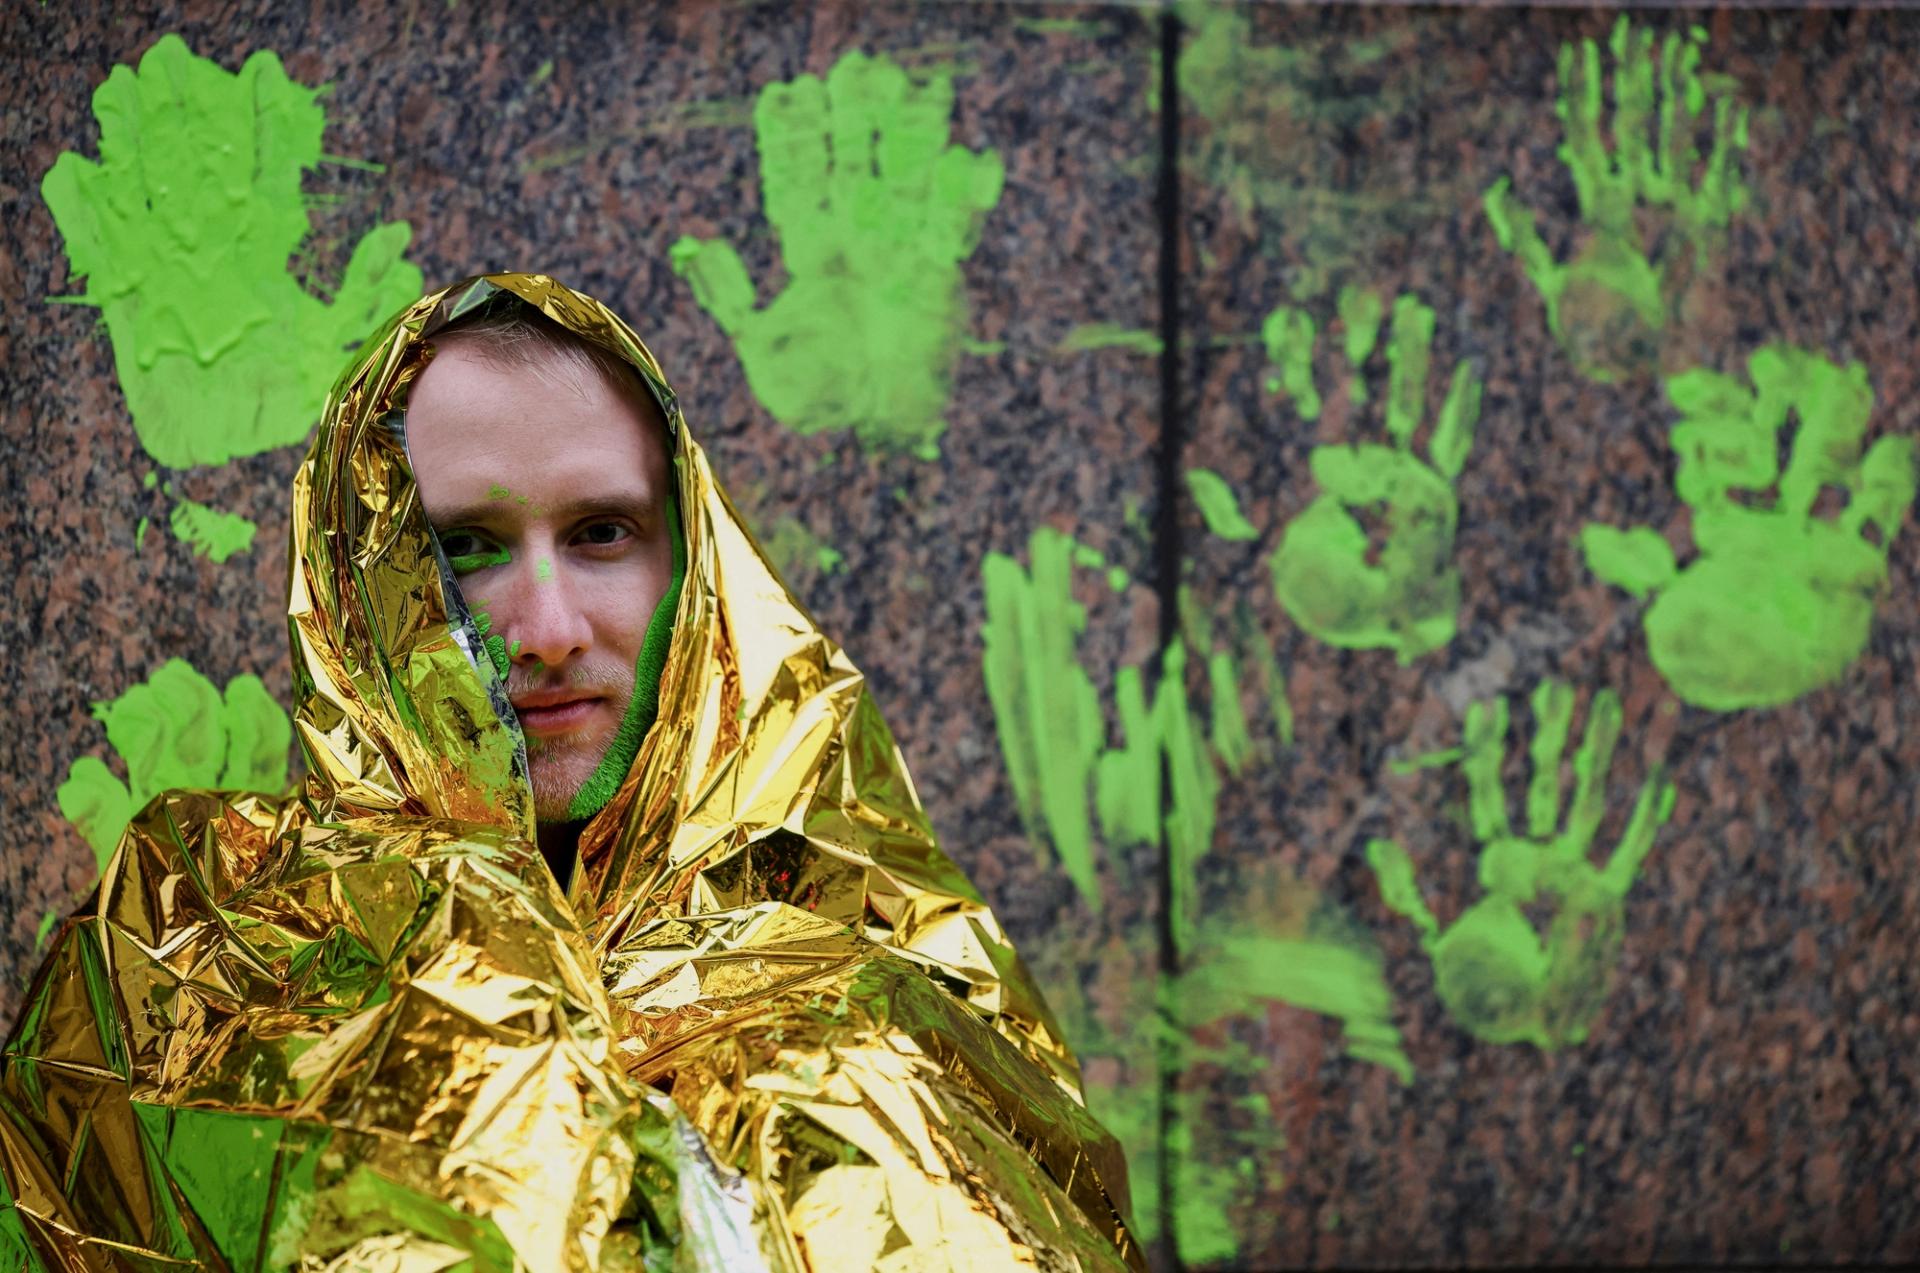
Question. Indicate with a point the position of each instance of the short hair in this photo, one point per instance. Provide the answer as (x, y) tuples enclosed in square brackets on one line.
[(508, 332)]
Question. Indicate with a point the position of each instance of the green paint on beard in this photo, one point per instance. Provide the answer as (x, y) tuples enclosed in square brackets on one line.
[(644, 706)]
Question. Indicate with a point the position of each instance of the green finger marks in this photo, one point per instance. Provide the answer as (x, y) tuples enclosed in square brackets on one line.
[(1288, 334), (1049, 720), (1395, 588), (1497, 976), (1607, 306), (1360, 313), (183, 230), (1777, 600), (211, 532), (176, 730), (1218, 506), (875, 212)]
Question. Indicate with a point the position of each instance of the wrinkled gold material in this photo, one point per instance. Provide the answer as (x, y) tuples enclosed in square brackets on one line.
[(769, 1024)]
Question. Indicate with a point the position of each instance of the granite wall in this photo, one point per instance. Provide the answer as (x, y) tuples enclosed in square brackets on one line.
[(1464, 691)]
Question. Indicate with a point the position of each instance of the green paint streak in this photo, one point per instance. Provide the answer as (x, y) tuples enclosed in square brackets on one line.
[(1360, 313), (176, 731), (1258, 651), (1229, 736), (211, 532), (1497, 977), (1193, 787), (47, 922), (1404, 593), (1044, 706), (140, 534), (183, 231), (875, 213), (1609, 304), (794, 549), (1090, 336), (1218, 506), (1289, 335), (1777, 601)]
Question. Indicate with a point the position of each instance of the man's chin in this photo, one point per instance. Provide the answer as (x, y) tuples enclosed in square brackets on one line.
[(557, 780)]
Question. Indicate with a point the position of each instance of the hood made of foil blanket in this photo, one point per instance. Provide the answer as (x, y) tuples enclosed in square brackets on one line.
[(768, 1024)]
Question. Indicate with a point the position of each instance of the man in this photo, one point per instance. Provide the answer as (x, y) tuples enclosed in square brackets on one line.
[(764, 1023)]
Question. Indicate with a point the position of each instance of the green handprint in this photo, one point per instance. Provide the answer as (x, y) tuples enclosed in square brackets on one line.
[(1491, 970), (183, 230), (1778, 601), (1323, 572), (1608, 305), (875, 213), (176, 730)]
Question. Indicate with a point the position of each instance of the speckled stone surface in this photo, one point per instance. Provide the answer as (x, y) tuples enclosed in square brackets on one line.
[(1748, 1092), (1749, 1089)]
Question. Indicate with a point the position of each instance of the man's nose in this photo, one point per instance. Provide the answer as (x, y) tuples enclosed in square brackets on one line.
[(543, 623)]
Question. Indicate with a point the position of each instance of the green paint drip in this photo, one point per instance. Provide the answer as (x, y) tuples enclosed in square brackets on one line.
[(1777, 601), (1044, 706), (1218, 506), (212, 533), (1609, 304), (1360, 313), (176, 731), (1288, 334), (1091, 336), (875, 213), (183, 231), (1498, 978), (1403, 595)]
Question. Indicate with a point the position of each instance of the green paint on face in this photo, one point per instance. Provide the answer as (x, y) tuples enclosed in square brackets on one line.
[(1778, 601), (1218, 506), (1608, 306), (543, 570), (1492, 970), (1045, 709), (1360, 313), (875, 213), (211, 532), (176, 731), (183, 231), (1289, 334), (1090, 336), (1404, 593)]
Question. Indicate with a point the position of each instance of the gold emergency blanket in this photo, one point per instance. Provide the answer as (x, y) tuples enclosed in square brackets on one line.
[(768, 1025)]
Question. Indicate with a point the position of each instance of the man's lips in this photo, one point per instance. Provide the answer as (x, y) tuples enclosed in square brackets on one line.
[(554, 713)]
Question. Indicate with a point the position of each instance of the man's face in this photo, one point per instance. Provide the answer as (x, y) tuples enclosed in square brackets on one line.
[(548, 489)]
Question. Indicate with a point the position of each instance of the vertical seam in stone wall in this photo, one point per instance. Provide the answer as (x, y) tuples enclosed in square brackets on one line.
[(1167, 567)]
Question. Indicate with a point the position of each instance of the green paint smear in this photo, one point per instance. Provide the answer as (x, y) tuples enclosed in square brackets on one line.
[(1289, 334), (1090, 336), (140, 534), (211, 532), (176, 731), (1404, 594), (794, 548), (1777, 601), (1497, 977), (1608, 306), (183, 231), (1360, 314), (875, 213), (1218, 506)]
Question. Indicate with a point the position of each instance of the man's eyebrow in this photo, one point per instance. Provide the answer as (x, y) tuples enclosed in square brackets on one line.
[(640, 507)]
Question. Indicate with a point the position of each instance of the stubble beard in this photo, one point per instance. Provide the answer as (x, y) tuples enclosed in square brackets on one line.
[(559, 767)]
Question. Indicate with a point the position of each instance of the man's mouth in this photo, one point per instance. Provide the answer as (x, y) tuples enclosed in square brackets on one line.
[(554, 713)]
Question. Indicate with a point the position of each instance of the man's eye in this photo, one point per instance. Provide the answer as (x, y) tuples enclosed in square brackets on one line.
[(467, 551), (604, 534)]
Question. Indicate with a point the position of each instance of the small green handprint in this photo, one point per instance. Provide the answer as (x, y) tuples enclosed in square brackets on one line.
[(1608, 306), (1408, 598), (183, 230), (875, 212), (1491, 969), (1778, 601), (176, 730)]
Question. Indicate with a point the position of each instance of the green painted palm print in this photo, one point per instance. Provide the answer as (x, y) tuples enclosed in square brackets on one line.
[(1778, 600), (183, 230), (176, 730), (1497, 978), (875, 213), (1403, 594), (1609, 304)]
